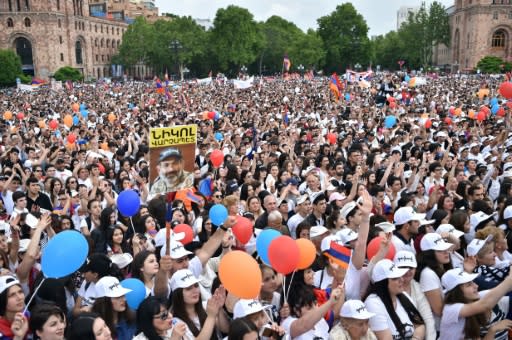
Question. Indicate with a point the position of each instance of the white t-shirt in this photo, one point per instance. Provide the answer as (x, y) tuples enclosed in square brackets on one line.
[(293, 222), (88, 295), (400, 245), (382, 321), (430, 281), (321, 329), (452, 326)]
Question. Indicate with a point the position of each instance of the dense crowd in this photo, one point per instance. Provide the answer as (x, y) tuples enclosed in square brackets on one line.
[(416, 181)]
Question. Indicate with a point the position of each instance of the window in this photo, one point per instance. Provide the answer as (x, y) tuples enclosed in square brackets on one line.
[(97, 58), (58, 5), (96, 42), (108, 43), (10, 5), (467, 42), (118, 31), (96, 28), (510, 15), (498, 39), (102, 57), (27, 22), (495, 15), (102, 42), (60, 39), (10, 23), (60, 23), (27, 5), (101, 28), (62, 57), (78, 53)]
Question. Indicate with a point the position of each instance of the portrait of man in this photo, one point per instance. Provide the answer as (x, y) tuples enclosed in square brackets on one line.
[(171, 173)]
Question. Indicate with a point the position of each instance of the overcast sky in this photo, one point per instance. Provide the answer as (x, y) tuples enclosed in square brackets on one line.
[(379, 15)]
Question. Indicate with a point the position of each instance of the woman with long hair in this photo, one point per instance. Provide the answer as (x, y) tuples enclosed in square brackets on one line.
[(243, 329), (466, 315), (187, 306), (47, 322), (55, 187), (395, 314), (254, 206), (433, 261), (110, 305), (89, 326), (116, 243), (155, 322), (144, 267), (13, 324)]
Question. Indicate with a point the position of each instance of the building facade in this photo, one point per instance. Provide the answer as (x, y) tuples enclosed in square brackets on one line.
[(402, 15), (51, 34), (478, 28)]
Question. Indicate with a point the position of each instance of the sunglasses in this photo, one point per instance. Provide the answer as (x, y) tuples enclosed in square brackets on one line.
[(218, 196), (162, 316)]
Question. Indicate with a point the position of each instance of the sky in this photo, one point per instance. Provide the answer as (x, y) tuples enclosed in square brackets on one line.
[(379, 15)]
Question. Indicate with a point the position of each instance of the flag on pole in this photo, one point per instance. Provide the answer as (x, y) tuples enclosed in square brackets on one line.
[(335, 86), (286, 63), (159, 87)]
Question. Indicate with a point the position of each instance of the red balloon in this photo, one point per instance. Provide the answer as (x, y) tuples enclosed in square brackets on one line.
[(391, 99), (20, 115), (451, 110), (501, 112), (448, 120), (211, 115), (392, 105), (331, 137), (53, 124), (284, 254), (428, 123), (243, 229), (485, 109), (71, 138), (481, 116), (509, 105), (506, 89), (101, 167), (185, 228), (217, 157), (373, 249)]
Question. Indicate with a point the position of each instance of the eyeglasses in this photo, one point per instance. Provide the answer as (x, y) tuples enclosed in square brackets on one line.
[(218, 196), (162, 316)]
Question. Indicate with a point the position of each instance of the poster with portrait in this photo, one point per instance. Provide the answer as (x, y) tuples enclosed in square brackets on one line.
[(171, 153)]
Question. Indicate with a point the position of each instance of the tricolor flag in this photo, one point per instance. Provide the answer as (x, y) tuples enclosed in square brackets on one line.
[(159, 87), (339, 254), (69, 85), (286, 63), (334, 85)]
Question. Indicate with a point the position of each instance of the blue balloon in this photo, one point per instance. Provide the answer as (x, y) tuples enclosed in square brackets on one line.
[(138, 293), (407, 78), (130, 105), (84, 113), (64, 254), (218, 214), (495, 108), (217, 115), (263, 242), (389, 122), (76, 121), (493, 101), (128, 203), (218, 136), (83, 107), (347, 96)]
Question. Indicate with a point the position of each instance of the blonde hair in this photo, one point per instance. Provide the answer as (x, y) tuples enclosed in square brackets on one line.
[(496, 233)]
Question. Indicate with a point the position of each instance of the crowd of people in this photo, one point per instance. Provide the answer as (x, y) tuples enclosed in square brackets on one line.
[(428, 190)]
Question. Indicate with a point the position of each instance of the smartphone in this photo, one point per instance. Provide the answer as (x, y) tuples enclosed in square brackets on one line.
[(268, 332)]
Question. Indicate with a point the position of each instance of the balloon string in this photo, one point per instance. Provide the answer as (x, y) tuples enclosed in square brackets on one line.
[(291, 280), (33, 296), (131, 223), (284, 289)]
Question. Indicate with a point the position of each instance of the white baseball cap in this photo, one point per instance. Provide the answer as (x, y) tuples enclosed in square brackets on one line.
[(336, 196), (404, 258), (507, 213), (122, 260), (355, 309), (183, 278), (347, 208), (434, 241), (454, 277), (177, 250), (448, 228), (387, 269), (109, 286), (317, 230), (476, 245), (326, 242), (244, 307), (7, 281), (406, 214), (386, 227), (161, 235), (478, 217), (302, 199), (346, 235)]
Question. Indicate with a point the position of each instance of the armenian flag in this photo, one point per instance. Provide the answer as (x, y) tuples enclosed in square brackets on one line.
[(286, 63), (159, 87), (339, 254), (335, 85)]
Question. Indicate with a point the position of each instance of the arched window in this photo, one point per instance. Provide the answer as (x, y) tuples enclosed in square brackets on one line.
[(10, 22), (60, 23), (498, 39), (78, 52), (113, 43), (27, 22), (108, 43), (96, 42), (102, 42)]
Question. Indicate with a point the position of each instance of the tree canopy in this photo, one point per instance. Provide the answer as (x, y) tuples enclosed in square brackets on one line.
[(10, 64)]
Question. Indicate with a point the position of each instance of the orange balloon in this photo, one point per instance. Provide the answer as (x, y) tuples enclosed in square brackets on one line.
[(104, 146), (41, 124), (75, 107), (458, 111), (7, 115), (68, 121), (111, 117), (424, 116), (70, 145), (307, 253), (246, 286), (471, 114)]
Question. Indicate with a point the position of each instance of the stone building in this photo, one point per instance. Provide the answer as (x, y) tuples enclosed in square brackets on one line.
[(478, 28), (49, 34)]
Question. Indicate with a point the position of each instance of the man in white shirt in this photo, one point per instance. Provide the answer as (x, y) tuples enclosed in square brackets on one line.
[(407, 223), (302, 210)]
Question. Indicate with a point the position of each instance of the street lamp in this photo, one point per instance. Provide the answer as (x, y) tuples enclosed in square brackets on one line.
[(301, 69), (175, 46), (357, 66), (185, 71), (243, 69)]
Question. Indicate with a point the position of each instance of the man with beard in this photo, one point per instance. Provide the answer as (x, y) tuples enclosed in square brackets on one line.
[(171, 175)]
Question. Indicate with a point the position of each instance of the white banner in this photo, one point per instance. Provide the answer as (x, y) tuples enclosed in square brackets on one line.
[(204, 81), (243, 84), (24, 87)]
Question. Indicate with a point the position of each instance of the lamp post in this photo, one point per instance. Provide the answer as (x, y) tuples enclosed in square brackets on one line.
[(185, 71), (357, 66), (243, 69), (301, 69), (175, 46)]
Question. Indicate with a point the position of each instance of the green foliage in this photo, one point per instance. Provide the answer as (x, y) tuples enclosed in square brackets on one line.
[(25, 78), (10, 64), (137, 41), (345, 37), (68, 73), (492, 64)]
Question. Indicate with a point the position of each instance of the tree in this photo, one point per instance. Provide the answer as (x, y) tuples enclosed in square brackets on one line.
[(10, 64), (387, 50), (235, 38), (492, 64), (345, 36), (138, 39), (68, 73), (308, 49)]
